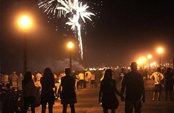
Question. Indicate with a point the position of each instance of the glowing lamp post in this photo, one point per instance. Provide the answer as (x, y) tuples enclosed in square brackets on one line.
[(160, 51), (149, 57), (24, 24), (70, 46)]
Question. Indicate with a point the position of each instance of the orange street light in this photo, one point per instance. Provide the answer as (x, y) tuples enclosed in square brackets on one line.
[(160, 51), (149, 57), (25, 23), (70, 46)]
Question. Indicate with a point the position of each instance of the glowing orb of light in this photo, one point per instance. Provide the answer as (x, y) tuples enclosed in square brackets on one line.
[(25, 21), (70, 45)]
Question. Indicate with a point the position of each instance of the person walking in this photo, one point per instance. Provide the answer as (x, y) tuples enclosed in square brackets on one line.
[(68, 94), (107, 93), (157, 77), (8, 99), (82, 82), (47, 93), (28, 90), (168, 83), (88, 79), (135, 91)]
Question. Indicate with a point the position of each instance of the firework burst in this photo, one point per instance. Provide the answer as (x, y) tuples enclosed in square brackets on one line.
[(77, 11)]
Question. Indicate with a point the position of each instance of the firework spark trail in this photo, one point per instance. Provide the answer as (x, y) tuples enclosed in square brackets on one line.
[(63, 7)]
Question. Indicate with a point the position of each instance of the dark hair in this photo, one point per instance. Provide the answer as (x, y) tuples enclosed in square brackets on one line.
[(8, 85), (48, 75), (168, 69), (108, 74), (159, 69), (27, 78), (67, 71), (133, 66)]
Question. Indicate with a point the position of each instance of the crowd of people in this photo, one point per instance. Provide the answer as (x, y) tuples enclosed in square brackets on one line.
[(21, 91), (35, 89)]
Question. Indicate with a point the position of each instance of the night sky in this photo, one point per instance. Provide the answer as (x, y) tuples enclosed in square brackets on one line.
[(120, 33)]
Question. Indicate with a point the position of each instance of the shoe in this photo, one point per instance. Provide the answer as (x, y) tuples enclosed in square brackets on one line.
[(153, 99)]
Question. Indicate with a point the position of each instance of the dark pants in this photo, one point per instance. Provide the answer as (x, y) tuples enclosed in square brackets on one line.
[(82, 83), (158, 88), (29, 101), (50, 108), (65, 108), (130, 105)]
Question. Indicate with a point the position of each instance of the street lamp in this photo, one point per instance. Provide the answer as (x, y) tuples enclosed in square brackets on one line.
[(160, 51), (25, 24), (70, 46), (149, 57)]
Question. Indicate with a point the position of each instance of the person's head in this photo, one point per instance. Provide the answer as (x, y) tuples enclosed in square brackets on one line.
[(108, 74), (159, 69), (168, 69), (47, 72), (67, 71), (14, 72), (48, 75), (20, 75), (8, 86), (133, 66), (27, 77)]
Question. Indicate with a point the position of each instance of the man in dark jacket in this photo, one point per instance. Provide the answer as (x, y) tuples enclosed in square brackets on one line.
[(135, 92), (68, 94)]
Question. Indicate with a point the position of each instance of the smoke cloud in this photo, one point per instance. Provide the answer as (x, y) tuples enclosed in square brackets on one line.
[(55, 65)]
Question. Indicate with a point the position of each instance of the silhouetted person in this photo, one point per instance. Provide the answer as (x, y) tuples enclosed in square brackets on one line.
[(168, 83), (8, 99), (1, 99), (28, 90), (47, 93), (135, 92), (157, 77), (68, 95), (107, 93)]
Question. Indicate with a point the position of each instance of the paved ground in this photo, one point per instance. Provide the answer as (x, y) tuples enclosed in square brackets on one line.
[(88, 103)]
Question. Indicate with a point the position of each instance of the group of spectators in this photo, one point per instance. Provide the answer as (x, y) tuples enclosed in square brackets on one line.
[(133, 84), (20, 90), (16, 80), (162, 80), (49, 86)]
